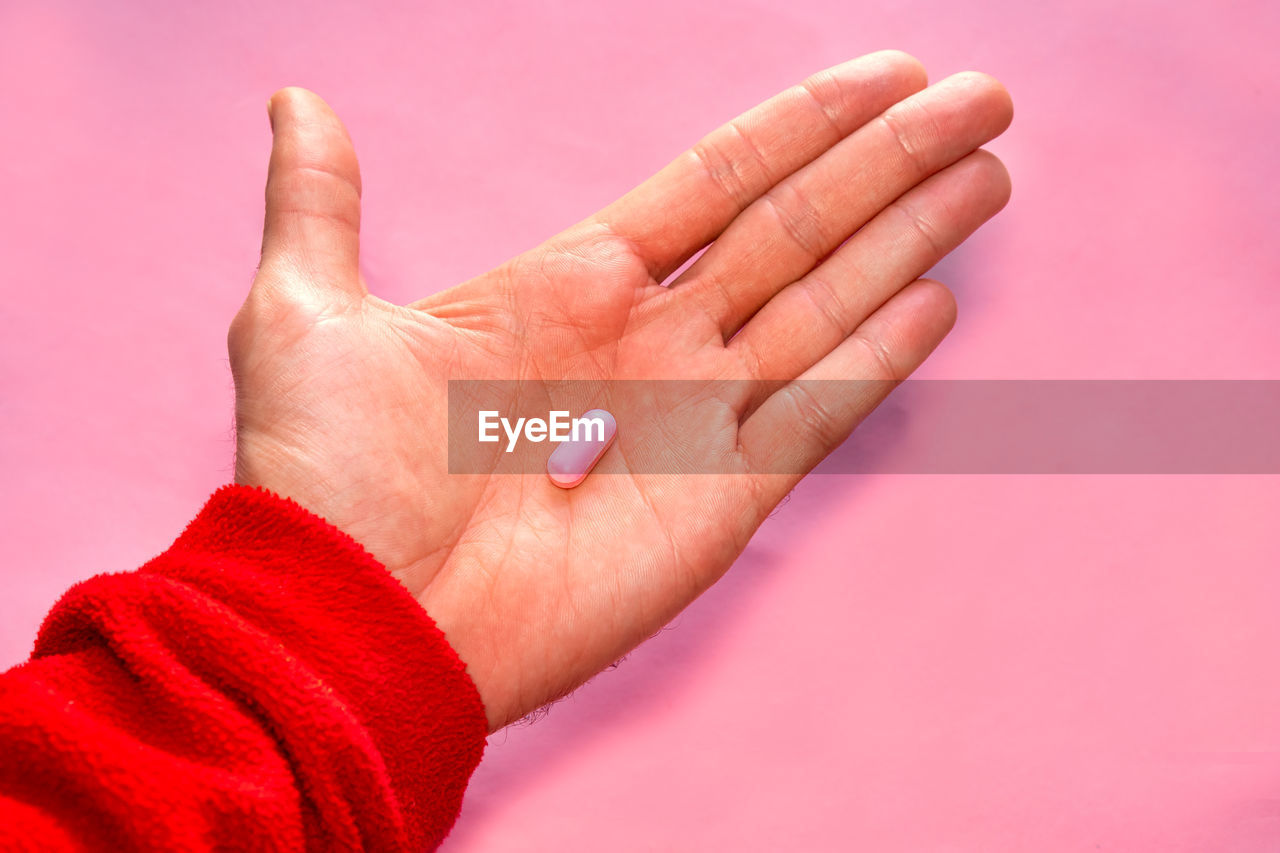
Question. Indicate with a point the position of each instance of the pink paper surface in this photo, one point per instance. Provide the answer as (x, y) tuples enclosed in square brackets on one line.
[(941, 663)]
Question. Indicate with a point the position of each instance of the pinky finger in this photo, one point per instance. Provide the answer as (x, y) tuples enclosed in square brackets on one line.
[(805, 420)]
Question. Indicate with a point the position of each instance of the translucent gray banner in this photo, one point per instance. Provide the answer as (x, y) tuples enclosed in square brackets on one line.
[(922, 427)]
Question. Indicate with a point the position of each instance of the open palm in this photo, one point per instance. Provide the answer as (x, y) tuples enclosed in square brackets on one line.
[(818, 211)]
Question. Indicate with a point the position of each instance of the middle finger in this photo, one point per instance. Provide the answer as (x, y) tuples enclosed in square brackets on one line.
[(797, 223)]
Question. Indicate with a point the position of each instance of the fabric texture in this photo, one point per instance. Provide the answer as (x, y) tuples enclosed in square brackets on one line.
[(263, 684)]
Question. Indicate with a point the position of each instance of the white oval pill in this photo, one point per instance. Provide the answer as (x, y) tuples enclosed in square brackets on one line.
[(590, 436)]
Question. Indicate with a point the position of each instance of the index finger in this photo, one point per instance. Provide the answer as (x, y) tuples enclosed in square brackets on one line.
[(687, 204)]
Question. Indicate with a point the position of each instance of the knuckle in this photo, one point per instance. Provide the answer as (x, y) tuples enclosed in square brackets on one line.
[(826, 93), (914, 131), (799, 218), (812, 419), (262, 308), (923, 227), (826, 300), (730, 163), (881, 359), (243, 326)]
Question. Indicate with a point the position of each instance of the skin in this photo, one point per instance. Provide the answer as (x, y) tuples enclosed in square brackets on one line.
[(821, 208)]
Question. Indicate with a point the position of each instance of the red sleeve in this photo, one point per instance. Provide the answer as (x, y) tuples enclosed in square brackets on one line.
[(263, 684)]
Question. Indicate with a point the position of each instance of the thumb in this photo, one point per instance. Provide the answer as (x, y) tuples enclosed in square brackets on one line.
[(312, 225)]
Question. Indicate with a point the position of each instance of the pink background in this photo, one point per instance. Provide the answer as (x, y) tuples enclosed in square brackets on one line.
[(897, 663)]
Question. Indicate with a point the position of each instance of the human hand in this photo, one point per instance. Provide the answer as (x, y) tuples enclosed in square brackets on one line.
[(341, 397)]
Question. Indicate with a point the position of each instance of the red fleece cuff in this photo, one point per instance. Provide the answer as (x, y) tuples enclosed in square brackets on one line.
[(367, 655)]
